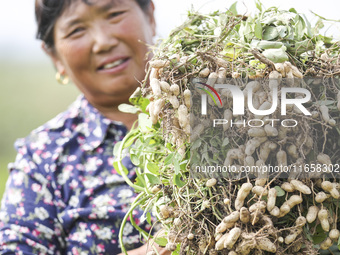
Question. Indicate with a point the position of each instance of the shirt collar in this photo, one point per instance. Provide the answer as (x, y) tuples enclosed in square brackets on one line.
[(95, 125)]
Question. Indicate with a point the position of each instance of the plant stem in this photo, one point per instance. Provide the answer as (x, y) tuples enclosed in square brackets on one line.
[(135, 203), (120, 164)]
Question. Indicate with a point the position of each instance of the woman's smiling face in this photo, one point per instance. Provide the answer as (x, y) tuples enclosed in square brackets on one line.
[(103, 48)]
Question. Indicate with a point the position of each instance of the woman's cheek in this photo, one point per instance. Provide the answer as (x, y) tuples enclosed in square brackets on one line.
[(75, 49), (135, 29)]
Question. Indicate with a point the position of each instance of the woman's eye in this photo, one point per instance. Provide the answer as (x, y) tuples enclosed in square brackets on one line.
[(115, 14), (75, 31)]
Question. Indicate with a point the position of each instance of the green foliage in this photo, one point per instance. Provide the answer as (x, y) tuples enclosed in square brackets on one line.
[(280, 34)]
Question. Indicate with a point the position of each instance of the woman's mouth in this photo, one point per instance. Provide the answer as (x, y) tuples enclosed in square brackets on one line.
[(114, 66)]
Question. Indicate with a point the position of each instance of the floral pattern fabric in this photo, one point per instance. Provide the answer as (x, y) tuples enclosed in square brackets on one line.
[(63, 195)]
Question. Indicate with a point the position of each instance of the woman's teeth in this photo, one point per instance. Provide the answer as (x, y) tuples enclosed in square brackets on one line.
[(113, 64)]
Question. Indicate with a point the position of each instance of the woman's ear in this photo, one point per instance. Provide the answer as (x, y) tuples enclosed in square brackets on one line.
[(55, 58)]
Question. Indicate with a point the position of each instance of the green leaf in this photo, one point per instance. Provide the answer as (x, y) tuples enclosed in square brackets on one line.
[(168, 159), (129, 141), (308, 26), (279, 192), (283, 31), (153, 179), (148, 218), (137, 99), (161, 241), (319, 25), (320, 235), (214, 142), (223, 19), (116, 167), (191, 30), (165, 182), (233, 8), (135, 159), (293, 10), (225, 142), (300, 47), (231, 51), (270, 33), (177, 181), (136, 95), (258, 29), (263, 44), (299, 27), (116, 148), (177, 251), (258, 5), (128, 108), (183, 165), (153, 168), (196, 144), (138, 146), (139, 181), (245, 31), (269, 20), (326, 102), (176, 166), (168, 146), (144, 122), (276, 55), (151, 142)]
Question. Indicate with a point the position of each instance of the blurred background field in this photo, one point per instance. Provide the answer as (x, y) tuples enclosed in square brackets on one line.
[(29, 97), (29, 94)]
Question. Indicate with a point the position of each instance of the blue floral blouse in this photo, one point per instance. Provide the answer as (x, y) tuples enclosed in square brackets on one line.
[(63, 195)]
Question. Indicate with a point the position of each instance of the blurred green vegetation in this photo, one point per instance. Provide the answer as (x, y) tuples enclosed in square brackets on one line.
[(29, 97)]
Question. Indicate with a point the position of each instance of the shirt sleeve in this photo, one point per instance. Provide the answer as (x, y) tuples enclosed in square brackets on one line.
[(28, 220)]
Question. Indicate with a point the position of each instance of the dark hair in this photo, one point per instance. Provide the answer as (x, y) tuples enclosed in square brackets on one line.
[(48, 11)]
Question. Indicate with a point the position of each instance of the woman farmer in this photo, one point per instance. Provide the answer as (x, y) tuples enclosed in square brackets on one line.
[(63, 195)]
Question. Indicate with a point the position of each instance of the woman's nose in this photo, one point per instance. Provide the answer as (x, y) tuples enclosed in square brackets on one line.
[(104, 39)]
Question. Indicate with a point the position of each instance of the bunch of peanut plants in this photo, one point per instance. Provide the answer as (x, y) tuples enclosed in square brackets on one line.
[(238, 213)]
